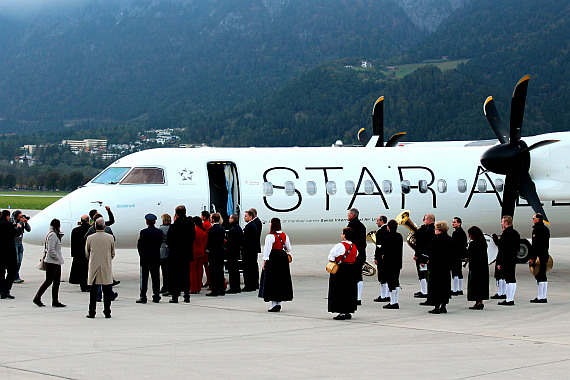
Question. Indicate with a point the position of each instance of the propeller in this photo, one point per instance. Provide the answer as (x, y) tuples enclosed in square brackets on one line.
[(378, 128), (512, 156)]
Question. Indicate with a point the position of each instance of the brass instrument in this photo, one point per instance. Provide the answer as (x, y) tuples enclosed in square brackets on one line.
[(536, 267), (371, 236), (368, 269), (403, 218)]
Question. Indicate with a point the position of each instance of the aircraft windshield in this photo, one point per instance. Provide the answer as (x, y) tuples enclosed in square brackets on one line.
[(145, 176), (111, 175)]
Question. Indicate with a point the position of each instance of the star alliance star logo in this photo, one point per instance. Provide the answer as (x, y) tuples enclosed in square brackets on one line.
[(186, 174)]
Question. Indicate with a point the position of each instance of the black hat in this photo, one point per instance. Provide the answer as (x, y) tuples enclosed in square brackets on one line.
[(150, 217)]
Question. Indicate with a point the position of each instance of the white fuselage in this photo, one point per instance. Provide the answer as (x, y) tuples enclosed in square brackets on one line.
[(313, 188)]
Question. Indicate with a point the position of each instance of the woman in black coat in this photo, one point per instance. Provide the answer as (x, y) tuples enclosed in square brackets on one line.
[(478, 285), (440, 253)]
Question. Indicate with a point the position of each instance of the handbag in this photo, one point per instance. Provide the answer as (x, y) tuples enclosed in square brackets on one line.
[(332, 266), (289, 257), (42, 264)]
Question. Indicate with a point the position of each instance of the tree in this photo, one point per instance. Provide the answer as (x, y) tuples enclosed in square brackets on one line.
[(51, 180), (74, 180), (9, 181)]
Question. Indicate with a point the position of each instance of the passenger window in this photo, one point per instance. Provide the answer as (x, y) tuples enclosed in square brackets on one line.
[(267, 188), (331, 187), (387, 186), (289, 188), (368, 187), (405, 186), (349, 187), (311, 188), (482, 185), (422, 186), (144, 176), (111, 175), (462, 185), (441, 186), (499, 185)]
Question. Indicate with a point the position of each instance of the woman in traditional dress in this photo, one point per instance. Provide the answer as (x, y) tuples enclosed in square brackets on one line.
[(277, 286), (343, 283), (440, 252), (478, 285)]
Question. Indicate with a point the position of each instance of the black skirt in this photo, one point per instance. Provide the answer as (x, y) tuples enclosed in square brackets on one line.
[(277, 285), (343, 289)]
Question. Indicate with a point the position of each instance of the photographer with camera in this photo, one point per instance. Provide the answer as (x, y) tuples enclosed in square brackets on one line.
[(18, 217)]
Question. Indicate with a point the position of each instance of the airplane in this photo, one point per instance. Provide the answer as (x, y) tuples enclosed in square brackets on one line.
[(311, 188)]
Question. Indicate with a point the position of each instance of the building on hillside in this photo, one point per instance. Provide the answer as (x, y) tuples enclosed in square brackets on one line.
[(86, 145)]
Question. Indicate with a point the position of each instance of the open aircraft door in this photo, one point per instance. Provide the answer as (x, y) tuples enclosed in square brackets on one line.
[(224, 189)]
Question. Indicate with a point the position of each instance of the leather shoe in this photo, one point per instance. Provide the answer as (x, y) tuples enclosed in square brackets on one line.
[(115, 282), (459, 293), (536, 300), (38, 302), (234, 291), (434, 311), (507, 303), (380, 299), (359, 302), (90, 316), (443, 310), (498, 297), (477, 307), (141, 300), (57, 304), (275, 309), (420, 295), (340, 317), (173, 300), (156, 299), (212, 294), (114, 296), (391, 306), (107, 315), (7, 295)]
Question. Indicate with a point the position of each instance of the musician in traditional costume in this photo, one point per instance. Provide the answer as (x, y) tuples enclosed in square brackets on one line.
[(359, 239), (440, 252), (423, 237), (539, 249), (382, 231), (342, 284), (277, 286), (478, 278), (391, 253), (508, 245), (459, 253)]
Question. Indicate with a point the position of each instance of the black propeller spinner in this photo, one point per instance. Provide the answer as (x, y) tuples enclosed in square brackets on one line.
[(512, 156), (378, 127)]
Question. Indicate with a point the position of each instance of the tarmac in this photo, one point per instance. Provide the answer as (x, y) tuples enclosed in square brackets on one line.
[(235, 337)]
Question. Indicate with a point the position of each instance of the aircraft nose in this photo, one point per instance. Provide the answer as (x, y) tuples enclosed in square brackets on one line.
[(40, 222)]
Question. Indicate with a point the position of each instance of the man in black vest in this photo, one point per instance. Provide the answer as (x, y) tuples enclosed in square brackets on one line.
[(148, 245), (540, 245), (459, 254), (508, 245), (382, 231)]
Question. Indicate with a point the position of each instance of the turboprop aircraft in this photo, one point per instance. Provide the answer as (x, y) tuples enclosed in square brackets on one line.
[(310, 189)]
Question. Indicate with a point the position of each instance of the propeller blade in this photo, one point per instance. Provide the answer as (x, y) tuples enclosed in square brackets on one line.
[(363, 137), (517, 108), (395, 139), (510, 195), (378, 121), (495, 121), (541, 143), (528, 190)]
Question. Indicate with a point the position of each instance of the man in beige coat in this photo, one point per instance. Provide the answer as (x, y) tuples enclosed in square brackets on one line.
[(100, 250)]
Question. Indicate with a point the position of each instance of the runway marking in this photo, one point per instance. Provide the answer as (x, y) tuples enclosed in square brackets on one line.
[(37, 372), (513, 369)]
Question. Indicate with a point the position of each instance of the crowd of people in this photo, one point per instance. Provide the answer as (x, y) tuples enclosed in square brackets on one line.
[(182, 249)]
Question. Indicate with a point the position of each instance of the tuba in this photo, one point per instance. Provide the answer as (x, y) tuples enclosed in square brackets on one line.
[(403, 218)]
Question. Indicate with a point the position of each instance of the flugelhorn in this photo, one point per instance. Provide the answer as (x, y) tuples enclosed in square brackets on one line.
[(368, 269), (403, 218)]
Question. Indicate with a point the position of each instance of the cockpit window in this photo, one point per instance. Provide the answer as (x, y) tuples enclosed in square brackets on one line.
[(111, 175), (145, 176)]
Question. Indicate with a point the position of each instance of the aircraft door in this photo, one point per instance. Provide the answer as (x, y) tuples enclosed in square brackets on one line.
[(224, 189)]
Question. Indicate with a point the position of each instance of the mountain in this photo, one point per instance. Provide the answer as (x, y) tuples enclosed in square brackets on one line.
[(112, 61)]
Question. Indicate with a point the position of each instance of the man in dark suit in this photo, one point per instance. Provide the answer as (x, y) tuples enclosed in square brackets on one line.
[(180, 241), (148, 245), (259, 227), (215, 247), (249, 253), (382, 231), (8, 257), (540, 245), (80, 264), (459, 254), (233, 250), (508, 246), (360, 242)]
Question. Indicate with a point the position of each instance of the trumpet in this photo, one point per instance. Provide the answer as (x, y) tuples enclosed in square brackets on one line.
[(403, 218), (371, 236), (368, 269)]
